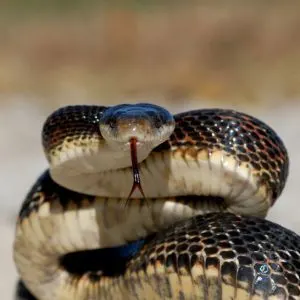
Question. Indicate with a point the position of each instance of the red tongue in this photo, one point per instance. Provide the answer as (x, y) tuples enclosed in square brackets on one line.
[(135, 168)]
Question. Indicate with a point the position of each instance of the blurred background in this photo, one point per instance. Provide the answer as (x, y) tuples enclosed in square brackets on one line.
[(242, 55)]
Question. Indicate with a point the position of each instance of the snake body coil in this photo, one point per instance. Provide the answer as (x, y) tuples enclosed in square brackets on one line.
[(209, 176)]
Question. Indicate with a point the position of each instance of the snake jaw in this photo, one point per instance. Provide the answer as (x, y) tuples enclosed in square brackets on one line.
[(135, 168)]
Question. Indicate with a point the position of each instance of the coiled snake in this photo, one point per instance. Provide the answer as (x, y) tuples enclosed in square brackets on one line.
[(209, 177)]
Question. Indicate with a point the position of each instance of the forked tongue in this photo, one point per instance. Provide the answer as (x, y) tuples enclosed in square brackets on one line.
[(135, 168)]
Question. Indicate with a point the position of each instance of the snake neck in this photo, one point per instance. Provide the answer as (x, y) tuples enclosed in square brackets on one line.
[(178, 173)]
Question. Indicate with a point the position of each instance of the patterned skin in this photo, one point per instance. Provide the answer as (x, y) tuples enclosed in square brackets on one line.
[(219, 256), (215, 256), (248, 139)]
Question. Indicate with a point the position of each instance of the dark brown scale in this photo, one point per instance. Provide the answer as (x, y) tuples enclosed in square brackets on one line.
[(211, 250), (260, 145), (261, 236), (160, 248), (213, 262), (245, 274), (171, 247), (240, 250), (244, 260), (255, 269), (256, 165), (239, 141), (161, 259), (170, 260), (275, 267), (296, 263), (292, 278), (181, 247), (267, 246), (225, 245), (212, 141), (254, 156), (243, 157), (209, 241), (183, 261), (258, 257), (233, 233), (242, 150), (288, 267), (221, 237), (179, 134), (195, 239), (228, 254), (294, 290), (249, 126), (237, 241), (229, 270)]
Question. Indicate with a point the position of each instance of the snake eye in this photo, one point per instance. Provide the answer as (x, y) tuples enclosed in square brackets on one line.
[(112, 124)]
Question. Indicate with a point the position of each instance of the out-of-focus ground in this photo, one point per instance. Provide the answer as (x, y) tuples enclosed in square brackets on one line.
[(247, 52), (243, 56)]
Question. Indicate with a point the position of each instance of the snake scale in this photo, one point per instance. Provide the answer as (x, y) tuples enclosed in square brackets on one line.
[(209, 177)]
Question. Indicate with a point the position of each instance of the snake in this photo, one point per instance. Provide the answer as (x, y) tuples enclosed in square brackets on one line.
[(139, 203)]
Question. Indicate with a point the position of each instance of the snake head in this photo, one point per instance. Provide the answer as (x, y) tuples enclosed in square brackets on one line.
[(149, 124)]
